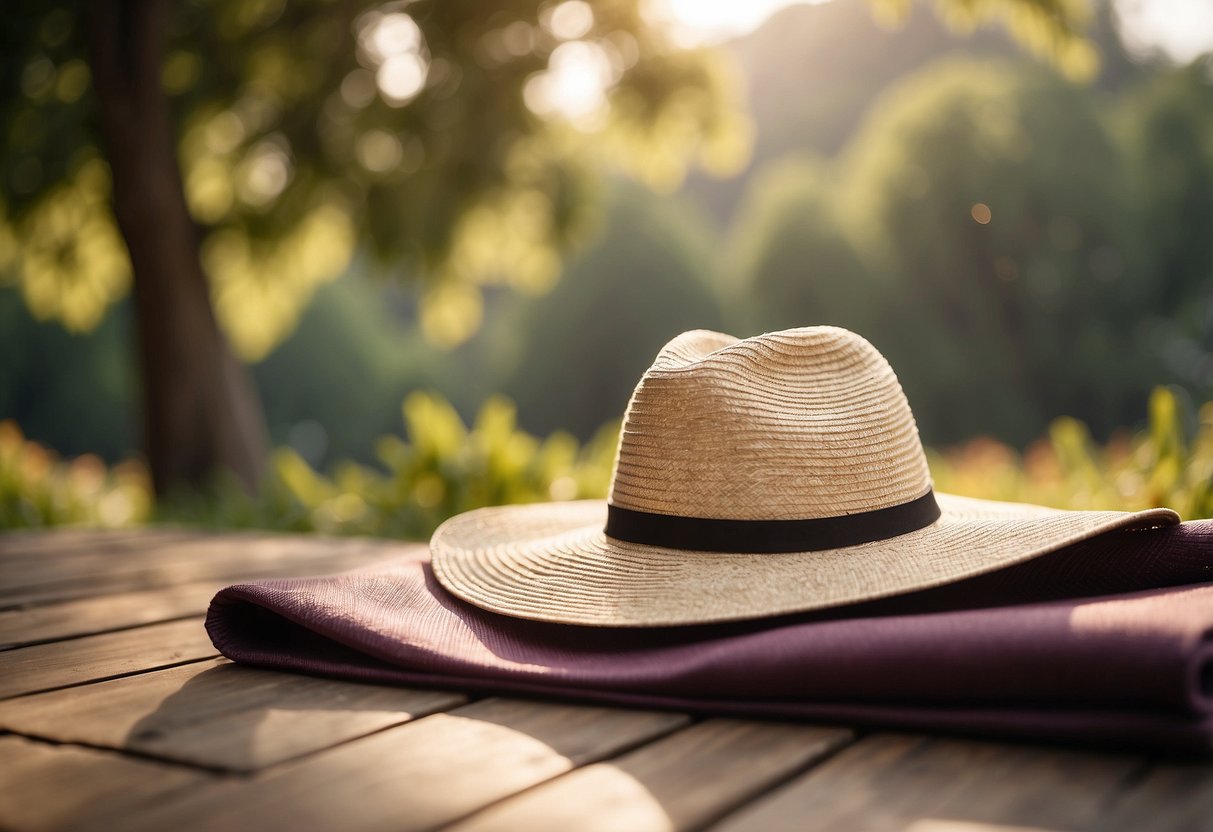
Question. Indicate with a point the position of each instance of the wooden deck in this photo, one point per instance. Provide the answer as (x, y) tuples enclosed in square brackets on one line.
[(118, 715)]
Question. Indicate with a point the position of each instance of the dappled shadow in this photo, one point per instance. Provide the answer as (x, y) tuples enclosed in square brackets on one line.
[(239, 718), (427, 773)]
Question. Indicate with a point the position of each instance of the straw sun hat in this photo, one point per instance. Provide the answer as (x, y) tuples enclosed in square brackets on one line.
[(755, 477)]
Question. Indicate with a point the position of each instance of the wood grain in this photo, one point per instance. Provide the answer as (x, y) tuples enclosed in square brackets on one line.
[(46, 787), (417, 776), (45, 559), (891, 782), (308, 753), (46, 666), (81, 573), (682, 782), (41, 543), (219, 715), (1170, 797), (88, 616)]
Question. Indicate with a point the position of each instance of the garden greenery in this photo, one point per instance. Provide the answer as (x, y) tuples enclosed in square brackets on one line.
[(442, 467)]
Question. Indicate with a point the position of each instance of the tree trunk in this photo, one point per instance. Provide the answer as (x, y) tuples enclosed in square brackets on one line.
[(201, 411)]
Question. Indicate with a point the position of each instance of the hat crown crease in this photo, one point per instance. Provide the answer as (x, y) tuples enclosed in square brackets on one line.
[(801, 424)]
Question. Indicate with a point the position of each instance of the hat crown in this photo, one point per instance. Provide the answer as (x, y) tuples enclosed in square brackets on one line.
[(800, 424)]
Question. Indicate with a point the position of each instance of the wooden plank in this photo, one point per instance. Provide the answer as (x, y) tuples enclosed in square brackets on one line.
[(1170, 797), (42, 543), (227, 557), (88, 616), (93, 554), (417, 776), (933, 825), (206, 557), (219, 715), (43, 554), (682, 782), (44, 787), (890, 782), (46, 666)]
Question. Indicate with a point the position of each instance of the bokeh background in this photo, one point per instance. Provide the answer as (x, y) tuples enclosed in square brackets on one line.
[(446, 238)]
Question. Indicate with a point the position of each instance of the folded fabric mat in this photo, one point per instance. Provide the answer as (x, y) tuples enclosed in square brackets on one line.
[(1109, 641)]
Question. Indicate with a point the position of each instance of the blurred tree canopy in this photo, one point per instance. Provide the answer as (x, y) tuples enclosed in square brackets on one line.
[(1166, 125), (223, 159), (338, 380), (580, 347), (74, 390), (1017, 249), (813, 71), (793, 256), (1027, 275), (797, 255), (248, 148)]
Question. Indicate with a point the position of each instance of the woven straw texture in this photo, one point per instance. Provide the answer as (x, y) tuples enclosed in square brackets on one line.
[(802, 424), (799, 424)]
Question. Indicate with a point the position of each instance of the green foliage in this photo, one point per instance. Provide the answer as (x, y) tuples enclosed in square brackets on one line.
[(72, 392), (336, 383), (1089, 285), (36, 489), (794, 263), (575, 353), (1167, 464), (568, 358), (814, 70), (420, 133), (1012, 255), (1050, 28), (329, 389), (1166, 126), (441, 467), (849, 241), (1001, 260)]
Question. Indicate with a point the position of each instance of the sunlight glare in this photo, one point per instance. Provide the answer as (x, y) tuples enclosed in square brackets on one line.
[(397, 52), (1182, 29), (401, 77), (574, 85), (267, 170), (570, 20), (379, 151), (695, 22), (394, 34)]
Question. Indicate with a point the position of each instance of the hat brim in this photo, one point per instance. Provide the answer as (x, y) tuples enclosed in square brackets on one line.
[(552, 562)]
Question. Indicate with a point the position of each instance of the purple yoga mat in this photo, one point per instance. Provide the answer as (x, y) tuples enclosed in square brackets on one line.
[(1109, 641)]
